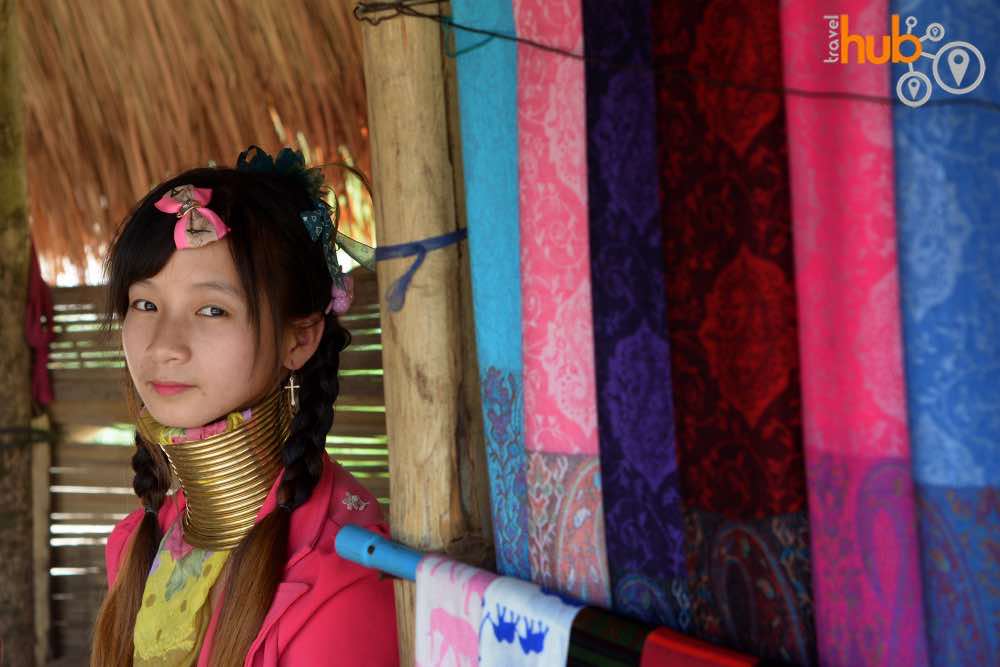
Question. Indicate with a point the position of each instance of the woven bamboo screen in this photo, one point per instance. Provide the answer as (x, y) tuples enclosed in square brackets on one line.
[(91, 475)]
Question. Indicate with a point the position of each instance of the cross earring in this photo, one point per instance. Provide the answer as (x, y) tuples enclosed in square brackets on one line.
[(292, 389)]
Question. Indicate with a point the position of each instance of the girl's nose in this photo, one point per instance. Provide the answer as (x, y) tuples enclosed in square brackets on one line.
[(170, 341)]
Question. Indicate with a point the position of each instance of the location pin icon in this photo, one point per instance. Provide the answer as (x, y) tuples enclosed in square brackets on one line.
[(958, 63), (914, 87)]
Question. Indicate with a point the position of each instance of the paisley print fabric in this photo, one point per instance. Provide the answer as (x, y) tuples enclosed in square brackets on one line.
[(560, 411), (641, 493), (728, 257), (865, 555), (487, 87), (732, 324), (752, 584), (946, 180)]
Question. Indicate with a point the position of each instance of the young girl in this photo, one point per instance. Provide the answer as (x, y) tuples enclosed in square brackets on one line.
[(227, 287)]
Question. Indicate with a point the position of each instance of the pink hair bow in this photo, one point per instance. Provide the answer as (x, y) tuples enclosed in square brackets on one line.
[(197, 225)]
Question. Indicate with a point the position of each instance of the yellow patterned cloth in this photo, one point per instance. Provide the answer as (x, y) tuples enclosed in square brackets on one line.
[(177, 602)]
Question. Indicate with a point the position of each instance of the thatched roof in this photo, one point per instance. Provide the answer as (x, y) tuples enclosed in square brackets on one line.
[(120, 94)]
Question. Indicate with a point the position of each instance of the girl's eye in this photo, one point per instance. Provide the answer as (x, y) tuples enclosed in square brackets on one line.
[(139, 306), (220, 313)]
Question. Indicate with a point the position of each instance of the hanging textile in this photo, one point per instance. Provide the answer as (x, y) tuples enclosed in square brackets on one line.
[(732, 324), (863, 529), (645, 523), (947, 161), (567, 542), (523, 624), (487, 86), (448, 611), (37, 333)]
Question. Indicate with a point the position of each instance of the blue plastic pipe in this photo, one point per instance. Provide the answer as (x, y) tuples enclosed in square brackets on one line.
[(370, 549)]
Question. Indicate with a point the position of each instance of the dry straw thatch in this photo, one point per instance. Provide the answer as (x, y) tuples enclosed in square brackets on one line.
[(120, 94)]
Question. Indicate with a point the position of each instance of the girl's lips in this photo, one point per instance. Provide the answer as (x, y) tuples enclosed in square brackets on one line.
[(169, 389)]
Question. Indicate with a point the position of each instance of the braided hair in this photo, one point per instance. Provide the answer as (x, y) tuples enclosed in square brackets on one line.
[(273, 255)]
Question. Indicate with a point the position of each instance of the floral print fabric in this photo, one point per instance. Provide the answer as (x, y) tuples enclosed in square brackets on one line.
[(176, 605)]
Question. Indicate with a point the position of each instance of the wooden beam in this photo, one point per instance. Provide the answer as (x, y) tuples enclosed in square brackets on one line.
[(437, 471), (41, 504), (17, 627)]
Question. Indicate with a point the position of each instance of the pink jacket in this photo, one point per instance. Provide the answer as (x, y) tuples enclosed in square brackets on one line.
[(326, 611)]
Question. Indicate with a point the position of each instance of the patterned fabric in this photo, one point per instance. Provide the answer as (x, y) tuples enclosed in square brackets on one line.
[(644, 404), (487, 87), (176, 603), (732, 324), (865, 558), (560, 431), (599, 639), (642, 503), (751, 584), (172, 435), (449, 610), (947, 166), (524, 625), (728, 252)]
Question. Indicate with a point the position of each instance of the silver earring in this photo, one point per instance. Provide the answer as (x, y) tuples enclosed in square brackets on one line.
[(292, 389)]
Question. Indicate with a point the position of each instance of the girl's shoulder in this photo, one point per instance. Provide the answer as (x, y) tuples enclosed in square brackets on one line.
[(352, 503)]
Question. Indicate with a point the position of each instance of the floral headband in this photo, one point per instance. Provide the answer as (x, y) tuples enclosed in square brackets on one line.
[(197, 225)]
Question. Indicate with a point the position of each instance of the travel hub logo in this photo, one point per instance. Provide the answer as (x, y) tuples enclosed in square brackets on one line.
[(964, 63)]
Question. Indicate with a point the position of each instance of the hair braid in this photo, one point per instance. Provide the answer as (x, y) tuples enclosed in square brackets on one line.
[(152, 473), (303, 453), (121, 606)]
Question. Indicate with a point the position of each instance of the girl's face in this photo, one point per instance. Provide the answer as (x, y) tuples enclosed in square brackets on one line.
[(190, 325)]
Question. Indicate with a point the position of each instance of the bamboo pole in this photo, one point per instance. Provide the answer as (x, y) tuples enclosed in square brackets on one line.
[(436, 454), (17, 634), (41, 508)]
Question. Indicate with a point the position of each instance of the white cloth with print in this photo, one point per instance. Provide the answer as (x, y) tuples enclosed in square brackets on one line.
[(522, 625)]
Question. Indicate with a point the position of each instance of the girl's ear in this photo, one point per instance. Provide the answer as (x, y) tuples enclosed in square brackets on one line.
[(301, 339)]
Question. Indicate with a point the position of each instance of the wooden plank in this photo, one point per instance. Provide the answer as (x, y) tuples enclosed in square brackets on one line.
[(351, 359), (88, 334), (363, 319), (71, 454), (365, 288), (362, 384), (80, 295), (366, 338), (91, 476), (368, 400), (94, 502), (78, 556), (90, 411), (78, 388), (77, 587)]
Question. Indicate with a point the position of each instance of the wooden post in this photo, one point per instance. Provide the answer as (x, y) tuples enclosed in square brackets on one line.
[(17, 634), (41, 504), (436, 454)]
